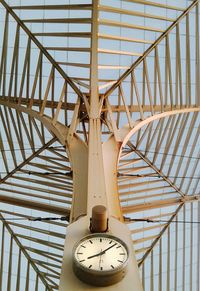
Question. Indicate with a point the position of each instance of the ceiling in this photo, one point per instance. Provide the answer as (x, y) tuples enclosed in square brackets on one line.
[(144, 56)]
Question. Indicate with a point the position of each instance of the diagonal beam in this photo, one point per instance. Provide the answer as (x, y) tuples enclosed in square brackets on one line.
[(156, 4), (160, 235), (150, 164), (160, 204), (25, 162), (63, 211), (42, 49), (150, 49)]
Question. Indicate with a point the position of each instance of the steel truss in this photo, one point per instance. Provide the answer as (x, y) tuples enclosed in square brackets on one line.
[(144, 108)]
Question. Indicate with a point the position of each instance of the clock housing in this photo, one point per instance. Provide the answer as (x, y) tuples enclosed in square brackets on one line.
[(100, 259)]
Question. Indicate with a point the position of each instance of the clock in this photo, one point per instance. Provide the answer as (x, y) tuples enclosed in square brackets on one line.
[(100, 259)]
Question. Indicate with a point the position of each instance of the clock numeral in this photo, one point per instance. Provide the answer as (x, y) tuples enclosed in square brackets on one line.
[(90, 266), (101, 268), (79, 253), (112, 266), (83, 246), (90, 241), (81, 261), (120, 261), (122, 253), (110, 242), (118, 247), (100, 239)]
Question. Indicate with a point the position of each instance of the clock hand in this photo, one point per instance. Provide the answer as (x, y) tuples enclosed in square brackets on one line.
[(102, 252), (100, 261), (99, 254)]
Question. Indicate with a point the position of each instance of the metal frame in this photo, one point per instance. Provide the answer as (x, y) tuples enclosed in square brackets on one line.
[(64, 120)]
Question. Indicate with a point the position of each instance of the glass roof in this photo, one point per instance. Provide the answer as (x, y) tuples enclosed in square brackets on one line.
[(147, 61)]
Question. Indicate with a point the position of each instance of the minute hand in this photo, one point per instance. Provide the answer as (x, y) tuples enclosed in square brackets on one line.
[(103, 252)]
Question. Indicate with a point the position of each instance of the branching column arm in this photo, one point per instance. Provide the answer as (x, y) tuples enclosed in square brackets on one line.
[(94, 94), (96, 177)]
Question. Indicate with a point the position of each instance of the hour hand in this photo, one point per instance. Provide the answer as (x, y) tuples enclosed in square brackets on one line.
[(99, 254)]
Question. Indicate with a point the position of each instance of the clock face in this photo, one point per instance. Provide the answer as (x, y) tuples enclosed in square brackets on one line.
[(101, 253)]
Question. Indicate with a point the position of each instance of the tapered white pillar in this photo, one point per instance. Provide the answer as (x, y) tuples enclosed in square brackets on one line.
[(95, 182)]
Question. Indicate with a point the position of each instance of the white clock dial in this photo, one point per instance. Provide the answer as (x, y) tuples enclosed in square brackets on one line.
[(101, 253)]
